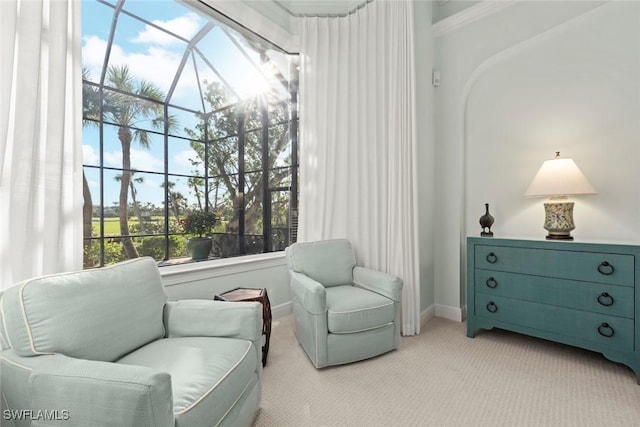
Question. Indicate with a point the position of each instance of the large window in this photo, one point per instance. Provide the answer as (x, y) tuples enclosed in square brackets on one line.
[(184, 112)]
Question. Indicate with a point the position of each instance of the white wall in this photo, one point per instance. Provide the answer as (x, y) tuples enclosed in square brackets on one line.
[(425, 132), (529, 80), (203, 280)]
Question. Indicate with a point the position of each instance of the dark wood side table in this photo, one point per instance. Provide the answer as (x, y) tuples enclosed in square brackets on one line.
[(253, 294)]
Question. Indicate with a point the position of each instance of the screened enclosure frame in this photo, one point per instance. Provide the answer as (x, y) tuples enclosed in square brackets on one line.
[(284, 126)]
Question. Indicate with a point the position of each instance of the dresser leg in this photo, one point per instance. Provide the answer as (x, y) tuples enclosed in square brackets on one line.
[(471, 329)]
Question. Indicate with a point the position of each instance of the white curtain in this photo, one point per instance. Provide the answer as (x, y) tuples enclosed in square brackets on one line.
[(40, 138), (358, 140)]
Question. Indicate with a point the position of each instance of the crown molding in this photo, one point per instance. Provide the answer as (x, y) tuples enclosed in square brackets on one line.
[(314, 9), (469, 15)]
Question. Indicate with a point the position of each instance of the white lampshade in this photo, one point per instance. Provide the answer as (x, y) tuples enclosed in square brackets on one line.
[(559, 177)]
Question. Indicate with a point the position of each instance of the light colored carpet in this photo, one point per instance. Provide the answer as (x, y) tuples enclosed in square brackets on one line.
[(443, 378)]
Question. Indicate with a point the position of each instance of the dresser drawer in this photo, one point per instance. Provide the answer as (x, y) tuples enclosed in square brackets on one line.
[(617, 269), (597, 297), (604, 332)]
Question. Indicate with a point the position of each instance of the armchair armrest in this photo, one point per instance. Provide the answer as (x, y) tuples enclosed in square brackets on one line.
[(377, 281), (208, 318), (87, 392), (311, 294)]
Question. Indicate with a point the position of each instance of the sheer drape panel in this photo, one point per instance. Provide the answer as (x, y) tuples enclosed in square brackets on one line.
[(358, 142), (40, 139)]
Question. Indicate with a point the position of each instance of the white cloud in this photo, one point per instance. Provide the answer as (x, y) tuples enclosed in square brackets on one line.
[(89, 155), (185, 26), (157, 63), (140, 159), (183, 160), (93, 55), (143, 159), (152, 183), (113, 159), (162, 62)]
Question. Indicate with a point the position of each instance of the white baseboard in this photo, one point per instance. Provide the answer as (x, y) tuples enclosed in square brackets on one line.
[(435, 310), (452, 313), (281, 310), (427, 314)]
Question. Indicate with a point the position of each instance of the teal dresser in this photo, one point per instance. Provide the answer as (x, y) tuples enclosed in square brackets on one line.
[(582, 294)]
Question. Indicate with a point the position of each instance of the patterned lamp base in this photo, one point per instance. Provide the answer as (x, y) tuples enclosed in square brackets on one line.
[(558, 220)]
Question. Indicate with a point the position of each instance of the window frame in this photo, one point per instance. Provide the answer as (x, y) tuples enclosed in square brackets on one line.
[(241, 133)]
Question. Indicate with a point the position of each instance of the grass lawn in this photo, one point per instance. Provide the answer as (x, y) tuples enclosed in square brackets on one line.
[(112, 225)]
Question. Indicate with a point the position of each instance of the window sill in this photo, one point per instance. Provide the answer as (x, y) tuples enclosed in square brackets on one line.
[(178, 274)]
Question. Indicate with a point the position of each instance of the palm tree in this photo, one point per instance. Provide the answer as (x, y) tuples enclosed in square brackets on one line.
[(176, 200), (90, 117), (134, 193), (197, 184), (132, 102)]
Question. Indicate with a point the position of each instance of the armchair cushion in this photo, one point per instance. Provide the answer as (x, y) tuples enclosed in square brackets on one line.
[(92, 314), (100, 393), (353, 309), (311, 295), (383, 283), (208, 318), (207, 374), (4, 342), (329, 262)]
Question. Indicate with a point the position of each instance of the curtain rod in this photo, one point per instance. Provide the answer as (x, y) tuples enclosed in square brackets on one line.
[(323, 15)]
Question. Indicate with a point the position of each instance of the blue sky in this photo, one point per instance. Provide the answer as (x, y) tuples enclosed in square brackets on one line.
[(153, 56)]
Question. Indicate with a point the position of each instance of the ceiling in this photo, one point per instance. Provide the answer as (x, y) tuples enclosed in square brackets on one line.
[(319, 7), (442, 8)]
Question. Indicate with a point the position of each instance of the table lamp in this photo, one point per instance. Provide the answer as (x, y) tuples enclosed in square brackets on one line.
[(557, 179)]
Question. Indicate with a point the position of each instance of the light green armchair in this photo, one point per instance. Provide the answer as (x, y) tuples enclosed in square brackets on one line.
[(343, 312), (104, 348)]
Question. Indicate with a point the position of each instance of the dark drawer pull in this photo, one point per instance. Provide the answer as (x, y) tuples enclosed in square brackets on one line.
[(605, 299), (605, 330), (605, 268), (492, 258), (491, 283), (492, 307)]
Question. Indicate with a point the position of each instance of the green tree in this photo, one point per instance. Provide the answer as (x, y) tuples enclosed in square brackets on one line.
[(128, 113), (90, 117), (222, 126)]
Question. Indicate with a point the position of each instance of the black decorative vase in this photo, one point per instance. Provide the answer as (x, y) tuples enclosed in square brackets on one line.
[(486, 221)]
